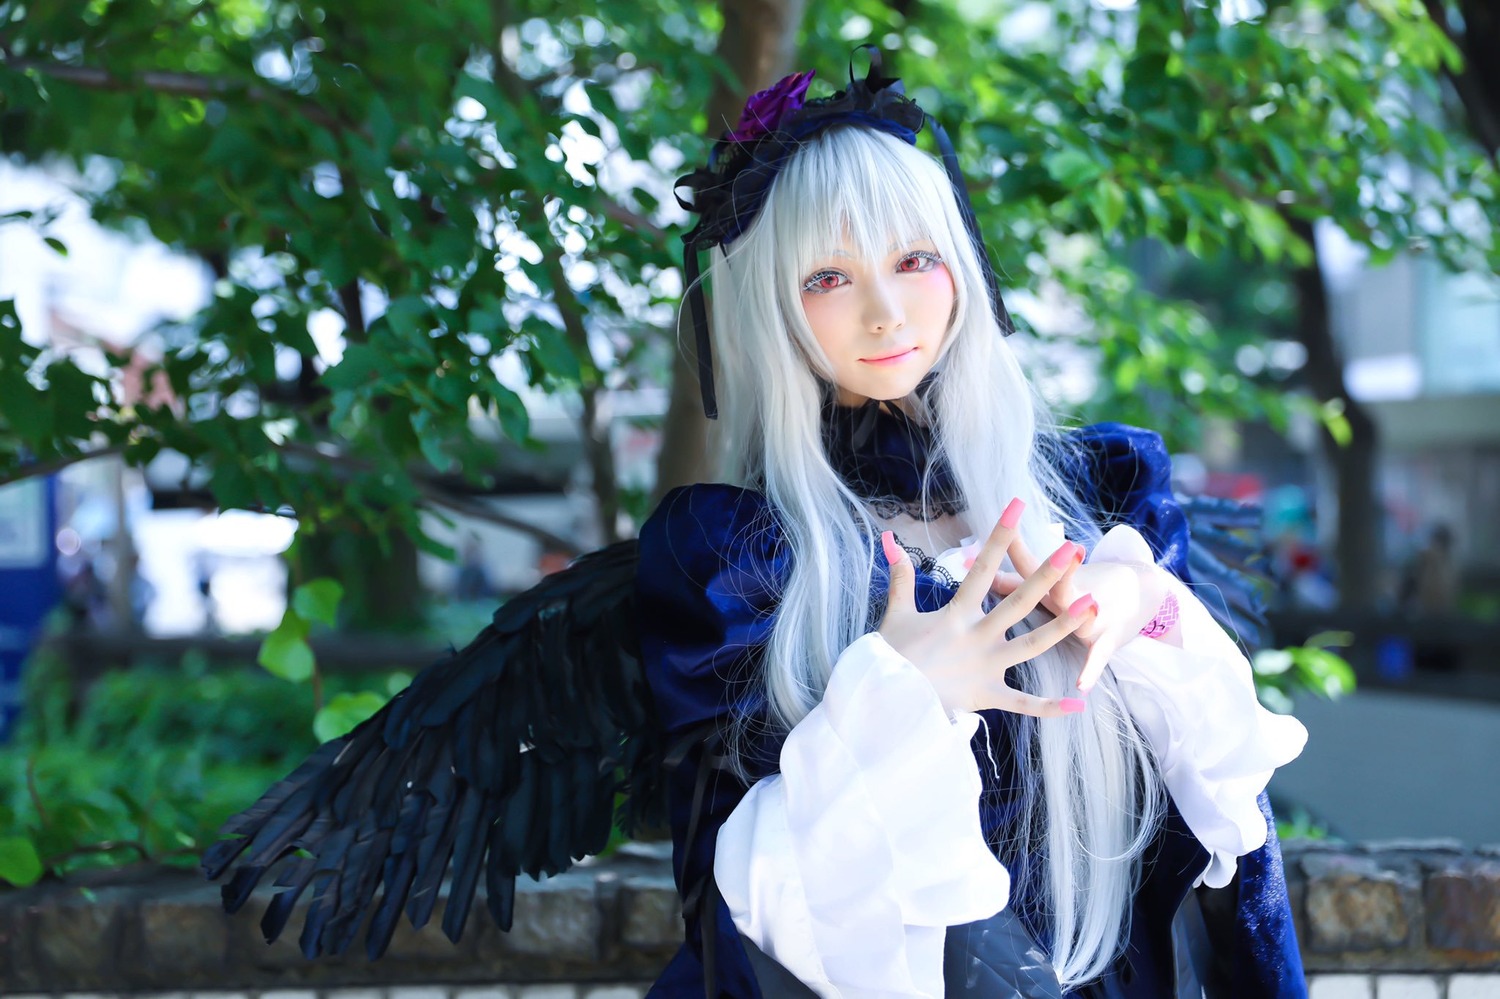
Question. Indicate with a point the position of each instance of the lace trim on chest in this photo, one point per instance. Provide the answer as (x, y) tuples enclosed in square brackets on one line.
[(927, 564), (890, 507)]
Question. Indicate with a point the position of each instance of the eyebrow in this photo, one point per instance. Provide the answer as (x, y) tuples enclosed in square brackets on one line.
[(898, 245)]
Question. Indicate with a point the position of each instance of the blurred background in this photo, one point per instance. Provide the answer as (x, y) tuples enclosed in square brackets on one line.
[(324, 328)]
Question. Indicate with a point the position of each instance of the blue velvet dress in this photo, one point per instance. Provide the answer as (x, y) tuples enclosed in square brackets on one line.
[(711, 559)]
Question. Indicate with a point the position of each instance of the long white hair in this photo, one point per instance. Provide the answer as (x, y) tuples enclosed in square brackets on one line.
[(1093, 797)]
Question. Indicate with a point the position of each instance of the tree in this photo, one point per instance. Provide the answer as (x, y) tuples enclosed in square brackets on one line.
[(1194, 127), (506, 195), (493, 196)]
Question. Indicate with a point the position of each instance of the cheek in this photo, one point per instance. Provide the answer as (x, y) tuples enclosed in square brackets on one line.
[(823, 316), (935, 293)]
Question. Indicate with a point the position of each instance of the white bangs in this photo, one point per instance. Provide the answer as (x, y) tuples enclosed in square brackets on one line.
[(855, 188)]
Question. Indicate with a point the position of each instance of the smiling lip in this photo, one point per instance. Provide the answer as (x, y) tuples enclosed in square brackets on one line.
[(890, 358)]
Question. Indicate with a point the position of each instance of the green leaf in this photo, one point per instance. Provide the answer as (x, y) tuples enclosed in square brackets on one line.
[(1108, 203), (285, 652), (318, 600), (343, 712), (19, 863), (1071, 167), (552, 349), (1272, 662), (1267, 230), (1335, 422), (361, 365), (58, 245)]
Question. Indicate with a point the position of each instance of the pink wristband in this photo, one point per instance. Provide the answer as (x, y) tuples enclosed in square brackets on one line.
[(1165, 619)]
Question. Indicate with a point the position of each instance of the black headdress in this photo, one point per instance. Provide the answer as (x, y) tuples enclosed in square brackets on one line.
[(728, 193)]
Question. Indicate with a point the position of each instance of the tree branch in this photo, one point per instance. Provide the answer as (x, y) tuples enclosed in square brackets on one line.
[(430, 491), (437, 496), (204, 87), (596, 443), (37, 468)]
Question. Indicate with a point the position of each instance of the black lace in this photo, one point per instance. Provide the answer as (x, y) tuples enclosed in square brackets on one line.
[(889, 507), (927, 564)]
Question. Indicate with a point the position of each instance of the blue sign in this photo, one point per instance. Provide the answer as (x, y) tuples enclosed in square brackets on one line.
[(29, 587)]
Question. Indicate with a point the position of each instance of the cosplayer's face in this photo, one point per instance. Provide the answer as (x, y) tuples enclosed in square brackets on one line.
[(880, 321)]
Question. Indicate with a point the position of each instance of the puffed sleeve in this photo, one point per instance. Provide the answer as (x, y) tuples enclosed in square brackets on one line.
[(848, 861), (1217, 746), (711, 564), (1124, 473)]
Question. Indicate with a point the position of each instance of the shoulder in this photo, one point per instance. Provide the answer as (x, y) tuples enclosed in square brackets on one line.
[(712, 564), (720, 538), (707, 508), (1123, 474), (1117, 460)]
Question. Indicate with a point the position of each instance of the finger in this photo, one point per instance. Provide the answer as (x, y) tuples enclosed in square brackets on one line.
[(1006, 583), (1024, 599), (1019, 702), (1062, 591), (987, 560), (1038, 640), (903, 576), (1093, 665), (1022, 558)]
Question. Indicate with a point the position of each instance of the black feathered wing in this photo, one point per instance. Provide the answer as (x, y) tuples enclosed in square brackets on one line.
[(503, 758), (1226, 557)]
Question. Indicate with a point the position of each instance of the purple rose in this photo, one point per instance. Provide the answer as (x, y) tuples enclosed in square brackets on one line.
[(765, 111)]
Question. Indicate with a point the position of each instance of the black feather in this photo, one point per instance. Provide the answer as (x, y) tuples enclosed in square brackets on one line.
[(501, 758)]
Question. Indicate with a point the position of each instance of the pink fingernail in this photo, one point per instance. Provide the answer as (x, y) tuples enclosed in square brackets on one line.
[(1071, 705), (1012, 515), (1062, 556), (969, 561), (893, 552), (1083, 605)]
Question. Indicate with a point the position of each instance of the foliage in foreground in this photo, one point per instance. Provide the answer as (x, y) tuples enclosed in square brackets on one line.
[(503, 200), (149, 763)]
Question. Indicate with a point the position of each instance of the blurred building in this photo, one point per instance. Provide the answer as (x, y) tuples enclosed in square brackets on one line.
[(1422, 352)]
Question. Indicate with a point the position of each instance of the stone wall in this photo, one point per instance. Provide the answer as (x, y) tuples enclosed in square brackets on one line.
[(1386, 921)]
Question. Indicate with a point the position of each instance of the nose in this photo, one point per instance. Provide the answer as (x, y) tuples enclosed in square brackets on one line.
[(882, 307)]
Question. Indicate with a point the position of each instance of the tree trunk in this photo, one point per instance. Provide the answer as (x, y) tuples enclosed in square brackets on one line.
[(1357, 551), (758, 44), (1477, 82)]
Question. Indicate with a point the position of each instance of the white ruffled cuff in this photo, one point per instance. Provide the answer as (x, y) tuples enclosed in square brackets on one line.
[(1216, 744), (848, 866)]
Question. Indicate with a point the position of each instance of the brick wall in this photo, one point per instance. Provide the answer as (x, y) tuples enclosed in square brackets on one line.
[(1382, 921)]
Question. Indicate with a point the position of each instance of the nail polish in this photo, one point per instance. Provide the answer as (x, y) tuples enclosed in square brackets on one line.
[(1071, 705), (1012, 515), (893, 551), (1083, 605), (1063, 555)]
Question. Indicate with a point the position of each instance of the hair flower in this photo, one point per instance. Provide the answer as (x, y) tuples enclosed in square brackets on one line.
[(765, 110)]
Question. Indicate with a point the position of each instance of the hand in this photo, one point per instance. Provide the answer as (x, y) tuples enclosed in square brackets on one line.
[(963, 651), (1128, 596)]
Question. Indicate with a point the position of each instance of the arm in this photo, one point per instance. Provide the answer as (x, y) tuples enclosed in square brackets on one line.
[(847, 864), (1192, 695)]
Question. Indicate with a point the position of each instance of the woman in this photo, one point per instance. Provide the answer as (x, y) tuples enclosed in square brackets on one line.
[(917, 737)]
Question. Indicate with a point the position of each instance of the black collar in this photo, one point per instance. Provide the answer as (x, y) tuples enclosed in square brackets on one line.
[(881, 453)]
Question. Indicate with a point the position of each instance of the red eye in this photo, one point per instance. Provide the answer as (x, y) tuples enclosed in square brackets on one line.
[(915, 263), (825, 281)]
